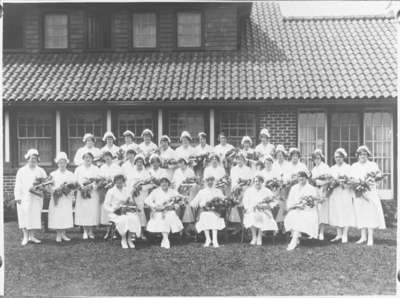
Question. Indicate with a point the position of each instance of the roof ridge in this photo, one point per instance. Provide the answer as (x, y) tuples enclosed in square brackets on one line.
[(344, 17)]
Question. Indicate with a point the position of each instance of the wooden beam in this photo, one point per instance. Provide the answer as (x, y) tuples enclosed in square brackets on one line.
[(109, 122), (212, 126), (159, 124), (58, 131), (7, 136)]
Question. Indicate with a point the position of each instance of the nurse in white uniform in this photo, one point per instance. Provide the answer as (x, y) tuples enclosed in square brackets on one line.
[(129, 138), (281, 171), (29, 206), (304, 219), (222, 148), (87, 210), (168, 156), (109, 139), (185, 150), (60, 211), (258, 220), (127, 224), (341, 207), (215, 169), (89, 146), (147, 147), (368, 208), (248, 152), (155, 170), (321, 169), (265, 147), (208, 220), (164, 222), (295, 165), (108, 171)]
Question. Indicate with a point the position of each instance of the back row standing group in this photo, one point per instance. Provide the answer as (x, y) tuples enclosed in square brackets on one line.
[(339, 208)]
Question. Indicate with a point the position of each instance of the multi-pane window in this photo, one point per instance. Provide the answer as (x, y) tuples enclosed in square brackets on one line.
[(135, 122), (144, 30), (191, 121), (56, 31), (35, 130), (99, 31), (235, 125), (13, 32), (345, 133), (312, 134), (189, 29), (378, 135), (79, 123)]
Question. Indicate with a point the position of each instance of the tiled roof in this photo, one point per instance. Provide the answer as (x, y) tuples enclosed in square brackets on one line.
[(280, 59)]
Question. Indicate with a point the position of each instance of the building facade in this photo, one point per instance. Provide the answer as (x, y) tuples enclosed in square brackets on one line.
[(71, 68)]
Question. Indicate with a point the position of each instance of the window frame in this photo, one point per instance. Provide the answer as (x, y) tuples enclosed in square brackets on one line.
[(22, 48), (131, 39), (202, 28), (115, 122), (326, 140), (111, 19), (15, 147), (217, 125), (166, 118), (43, 30)]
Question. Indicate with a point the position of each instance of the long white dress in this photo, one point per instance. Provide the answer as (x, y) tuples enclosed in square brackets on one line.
[(301, 220), (264, 150), (368, 208), (180, 176), (168, 154), (60, 214), (134, 175), (263, 220), (115, 198), (162, 222), (185, 152), (78, 159), (107, 172), (30, 209), (87, 211), (238, 172), (323, 208), (341, 208), (208, 220)]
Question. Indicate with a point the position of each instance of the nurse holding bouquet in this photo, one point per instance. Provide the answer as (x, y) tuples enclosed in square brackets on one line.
[(63, 194)]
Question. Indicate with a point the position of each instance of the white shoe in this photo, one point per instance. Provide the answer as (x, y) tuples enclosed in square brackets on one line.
[(91, 235), (291, 246), (253, 242), (65, 238), (370, 243), (124, 244), (58, 239), (106, 236), (344, 239), (361, 240), (34, 240), (24, 241), (337, 238), (259, 242), (167, 245), (215, 244), (207, 244), (321, 236), (84, 236)]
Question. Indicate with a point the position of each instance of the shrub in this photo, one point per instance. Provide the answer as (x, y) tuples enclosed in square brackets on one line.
[(9, 208), (390, 212)]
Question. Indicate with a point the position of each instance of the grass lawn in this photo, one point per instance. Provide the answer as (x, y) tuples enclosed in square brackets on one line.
[(102, 268)]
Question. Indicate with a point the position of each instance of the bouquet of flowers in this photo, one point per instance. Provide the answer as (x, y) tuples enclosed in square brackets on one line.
[(223, 182), (64, 190), (376, 176), (361, 186), (138, 186), (174, 203), (272, 184), (87, 187), (267, 204), (305, 201), (40, 186), (196, 161), (120, 154), (128, 207), (341, 181), (218, 205), (324, 178), (169, 163), (237, 191), (187, 184), (230, 157)]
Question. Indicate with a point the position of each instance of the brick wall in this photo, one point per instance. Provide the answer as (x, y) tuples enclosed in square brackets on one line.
[(282, 125), (8, 184)]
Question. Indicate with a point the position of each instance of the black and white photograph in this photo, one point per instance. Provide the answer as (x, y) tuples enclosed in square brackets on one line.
[(199, 148)]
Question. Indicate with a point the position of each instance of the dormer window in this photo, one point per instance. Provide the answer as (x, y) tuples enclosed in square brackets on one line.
[(144, 30), (189, 30), (56, 31)]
